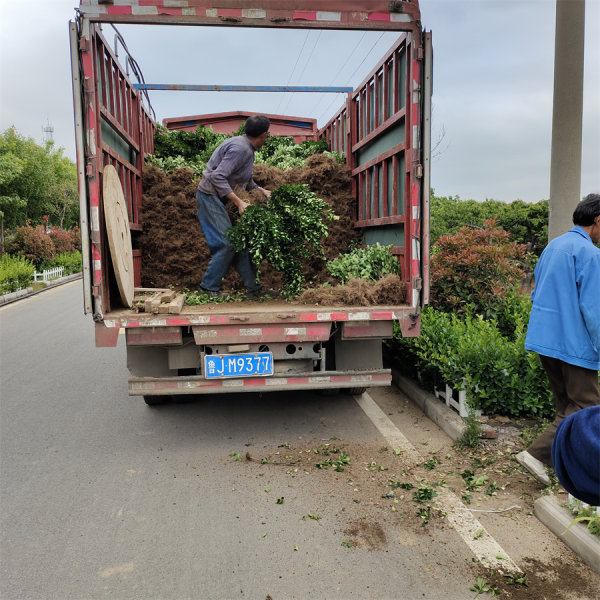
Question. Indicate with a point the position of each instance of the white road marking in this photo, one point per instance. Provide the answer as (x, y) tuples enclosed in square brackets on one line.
[(485, 548)]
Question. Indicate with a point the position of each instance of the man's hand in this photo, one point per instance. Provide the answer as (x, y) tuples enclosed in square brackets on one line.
[(241, 205), (266, 193)]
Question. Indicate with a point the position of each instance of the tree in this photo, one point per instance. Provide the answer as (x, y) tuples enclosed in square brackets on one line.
[(10, 168), (527, 223), (36, 180)]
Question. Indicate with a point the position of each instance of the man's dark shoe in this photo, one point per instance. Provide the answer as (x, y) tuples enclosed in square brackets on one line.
[(213, 293), (260, 292)]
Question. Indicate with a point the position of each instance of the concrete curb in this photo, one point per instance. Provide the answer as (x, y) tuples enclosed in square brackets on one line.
[(547, 509), (557, 518), (27, 292), (445, 418)]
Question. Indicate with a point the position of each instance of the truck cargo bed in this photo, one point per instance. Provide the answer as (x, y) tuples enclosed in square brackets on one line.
[(270, 311)]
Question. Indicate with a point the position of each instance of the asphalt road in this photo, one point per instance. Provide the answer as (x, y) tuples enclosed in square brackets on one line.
[(104, 497)]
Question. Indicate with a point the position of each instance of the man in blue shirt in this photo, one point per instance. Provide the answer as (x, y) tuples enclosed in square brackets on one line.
[(564, 325), (229, 166)]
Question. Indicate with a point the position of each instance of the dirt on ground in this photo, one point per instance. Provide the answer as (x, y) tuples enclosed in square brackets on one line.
[(174, 251), (376, 506)]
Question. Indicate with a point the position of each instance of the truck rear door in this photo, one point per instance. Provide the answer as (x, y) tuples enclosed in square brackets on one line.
[(113, 127)]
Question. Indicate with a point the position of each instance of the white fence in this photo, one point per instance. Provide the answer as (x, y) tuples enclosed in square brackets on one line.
[(457, 399), (48, 274)]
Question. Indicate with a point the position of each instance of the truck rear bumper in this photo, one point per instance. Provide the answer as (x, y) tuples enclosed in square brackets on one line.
[(161, 386)]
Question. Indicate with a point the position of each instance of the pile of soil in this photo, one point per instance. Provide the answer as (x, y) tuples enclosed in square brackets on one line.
[(175, 253)]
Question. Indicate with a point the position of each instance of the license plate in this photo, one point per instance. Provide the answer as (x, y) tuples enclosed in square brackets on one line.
[(257, 364)]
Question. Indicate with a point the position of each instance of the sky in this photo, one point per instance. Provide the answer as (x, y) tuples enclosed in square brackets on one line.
[(492, 82)]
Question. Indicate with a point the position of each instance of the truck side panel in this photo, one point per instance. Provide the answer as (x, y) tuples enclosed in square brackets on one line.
[(380, 131), (119, 132)]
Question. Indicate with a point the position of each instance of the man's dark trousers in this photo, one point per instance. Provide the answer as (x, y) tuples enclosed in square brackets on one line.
[(573, 388)]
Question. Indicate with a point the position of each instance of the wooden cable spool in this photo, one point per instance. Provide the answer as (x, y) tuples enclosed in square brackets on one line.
[(116, 218)]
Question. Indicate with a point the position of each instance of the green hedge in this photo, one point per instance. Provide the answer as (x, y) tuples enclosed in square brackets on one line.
[(470, 353), (16, 272), (527, 223), (70, 261)]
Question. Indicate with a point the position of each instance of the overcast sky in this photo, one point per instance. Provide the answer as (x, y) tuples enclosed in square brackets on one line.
[(493, 81)]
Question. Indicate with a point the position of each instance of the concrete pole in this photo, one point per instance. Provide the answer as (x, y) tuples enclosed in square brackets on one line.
[(565, 161)]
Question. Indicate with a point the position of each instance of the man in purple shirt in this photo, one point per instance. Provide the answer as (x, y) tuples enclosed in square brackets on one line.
[(229, 166)]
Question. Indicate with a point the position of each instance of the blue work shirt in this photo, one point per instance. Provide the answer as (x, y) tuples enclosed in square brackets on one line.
[(230, 165), (565, 312)]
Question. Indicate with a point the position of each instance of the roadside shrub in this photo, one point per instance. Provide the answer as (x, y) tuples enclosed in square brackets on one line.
[(75, 234), (34, 244), (476, 268), (527, 223), (63, 241), (471, 354), (70, 261), (15, 273), (373, 262)]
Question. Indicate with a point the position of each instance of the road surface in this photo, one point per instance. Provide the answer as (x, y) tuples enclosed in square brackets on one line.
[(216, 497)]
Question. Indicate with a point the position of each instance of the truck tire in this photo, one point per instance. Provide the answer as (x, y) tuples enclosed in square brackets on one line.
[(156, 400), (329, 391), (357, 391)]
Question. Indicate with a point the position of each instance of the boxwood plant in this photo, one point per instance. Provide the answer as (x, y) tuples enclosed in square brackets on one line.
[(288, 227)]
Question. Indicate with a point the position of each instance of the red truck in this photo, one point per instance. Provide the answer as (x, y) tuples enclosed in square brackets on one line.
[(383, 129)]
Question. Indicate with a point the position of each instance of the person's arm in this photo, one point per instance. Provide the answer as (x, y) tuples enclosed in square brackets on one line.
[(241, 205)]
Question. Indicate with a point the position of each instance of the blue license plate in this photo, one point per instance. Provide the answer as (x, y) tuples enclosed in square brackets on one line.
[(257, 364)]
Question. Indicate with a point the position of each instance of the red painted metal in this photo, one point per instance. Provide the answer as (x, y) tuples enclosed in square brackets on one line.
[(300, 128), (154, 336), (115, 116), (305, 318), (400, 15), (368, 329), (199, 385), (293, 332), (105, 337), (388, 185)]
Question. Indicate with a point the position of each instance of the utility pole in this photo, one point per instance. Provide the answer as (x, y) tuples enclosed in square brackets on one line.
[(567, 113)]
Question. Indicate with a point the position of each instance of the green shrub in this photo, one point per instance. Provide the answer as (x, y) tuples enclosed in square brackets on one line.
[(192, 149), (70, 261), (470, 353), (372, 262), (284, 153), (288, 227), (15, 273)]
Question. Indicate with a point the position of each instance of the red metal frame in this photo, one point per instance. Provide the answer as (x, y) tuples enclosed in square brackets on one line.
[(323, 14), (112, 100), (367, 114)]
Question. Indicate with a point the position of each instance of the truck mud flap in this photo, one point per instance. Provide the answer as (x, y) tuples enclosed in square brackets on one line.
[(160, 386)]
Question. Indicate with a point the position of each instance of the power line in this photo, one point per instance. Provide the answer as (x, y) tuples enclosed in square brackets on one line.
[(355, 71), (295, 65), (322, 97), (291, 96)]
